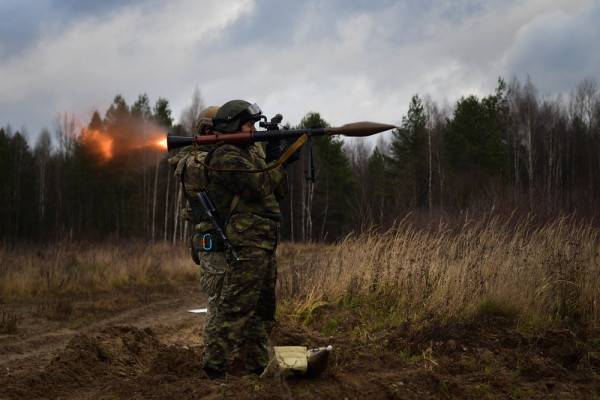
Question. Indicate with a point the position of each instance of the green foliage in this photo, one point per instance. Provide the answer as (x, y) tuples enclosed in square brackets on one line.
[(474, 138), (141, 108), (489, 153), (408, 160), (378, 179), (117, 113), (312, 120), (331, 209), (162, 112)]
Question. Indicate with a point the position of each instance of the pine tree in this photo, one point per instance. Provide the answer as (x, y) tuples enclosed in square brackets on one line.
[(474, 139), (162, 113), (328, 213), (96, 122), (409, 156), (117, 114), (141, 108)]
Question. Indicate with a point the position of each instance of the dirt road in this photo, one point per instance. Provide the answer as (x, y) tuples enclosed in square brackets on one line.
[(145, 345)]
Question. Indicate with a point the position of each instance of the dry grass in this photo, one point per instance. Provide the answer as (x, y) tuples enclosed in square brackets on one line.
[(67, 268), (9, 321), (542, 274)]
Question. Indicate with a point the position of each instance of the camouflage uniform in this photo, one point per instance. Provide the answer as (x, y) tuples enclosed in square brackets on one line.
[(189, 168), (237, 335)]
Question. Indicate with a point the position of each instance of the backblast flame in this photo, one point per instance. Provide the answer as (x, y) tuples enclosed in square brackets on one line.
[(100, 142), (161, 143)]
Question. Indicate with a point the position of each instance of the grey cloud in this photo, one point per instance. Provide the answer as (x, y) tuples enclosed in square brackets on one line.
[(140, 49), (23, 23), (349, 60), (557, 49), (20, 24)]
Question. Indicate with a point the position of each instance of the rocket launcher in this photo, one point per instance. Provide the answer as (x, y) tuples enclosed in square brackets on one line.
[(355, 129)]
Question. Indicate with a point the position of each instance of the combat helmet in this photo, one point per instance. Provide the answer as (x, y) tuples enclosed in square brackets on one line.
[(233, 114), (205, 119)]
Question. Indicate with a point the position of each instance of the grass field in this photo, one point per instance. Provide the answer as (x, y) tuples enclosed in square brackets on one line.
[(542, 275), (483, 309)]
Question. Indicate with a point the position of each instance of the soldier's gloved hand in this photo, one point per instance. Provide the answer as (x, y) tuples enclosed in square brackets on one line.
[(274, 150)]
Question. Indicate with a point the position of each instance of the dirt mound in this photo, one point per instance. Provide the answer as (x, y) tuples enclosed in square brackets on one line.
[(118, 350), (117, 353), (480, 358)]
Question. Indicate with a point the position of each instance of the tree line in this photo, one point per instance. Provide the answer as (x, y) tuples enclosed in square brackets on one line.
[(510, 150)]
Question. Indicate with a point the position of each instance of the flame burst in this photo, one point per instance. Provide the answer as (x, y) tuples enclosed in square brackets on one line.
[(161, 142), (100, 141), (107, 145)]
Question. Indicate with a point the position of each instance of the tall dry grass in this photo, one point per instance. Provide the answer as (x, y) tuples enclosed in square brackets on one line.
[(546, 273), (81, 268)]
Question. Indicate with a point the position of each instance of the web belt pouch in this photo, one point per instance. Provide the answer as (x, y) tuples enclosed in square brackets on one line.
[(207, 242)]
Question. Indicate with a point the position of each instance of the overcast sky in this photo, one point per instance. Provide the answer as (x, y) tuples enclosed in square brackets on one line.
[(350, 60)]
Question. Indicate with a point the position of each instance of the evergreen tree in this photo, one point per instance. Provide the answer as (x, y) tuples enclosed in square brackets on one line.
[(96, 122), (474, 138), (330, 202), (162, 113), (408, 157), (117, 114), (141, 108)]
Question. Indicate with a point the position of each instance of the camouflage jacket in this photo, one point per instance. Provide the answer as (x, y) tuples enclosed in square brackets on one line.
[(188, 164), (254, 219)]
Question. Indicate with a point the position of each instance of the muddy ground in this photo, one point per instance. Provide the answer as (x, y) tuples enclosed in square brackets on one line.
[(143, 344)]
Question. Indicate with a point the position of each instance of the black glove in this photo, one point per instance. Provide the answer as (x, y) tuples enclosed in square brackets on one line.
[(274, 150)]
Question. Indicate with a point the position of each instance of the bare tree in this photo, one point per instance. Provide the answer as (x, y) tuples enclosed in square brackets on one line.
[(66, 133), (523, 104), (190, 117), (585, 100), (430, 110), (358, 153), (42, 157), (585, 103)]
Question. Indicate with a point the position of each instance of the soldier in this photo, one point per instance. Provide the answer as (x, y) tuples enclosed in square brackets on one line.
[(236, 338), (189, 168)]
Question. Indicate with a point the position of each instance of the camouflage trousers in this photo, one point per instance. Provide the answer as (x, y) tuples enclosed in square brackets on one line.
[(236, 335), (213, 267)]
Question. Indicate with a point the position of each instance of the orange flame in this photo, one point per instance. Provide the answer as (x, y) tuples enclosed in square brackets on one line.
[(107, 145), (156, 141), (160, 143), (101, 142)]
